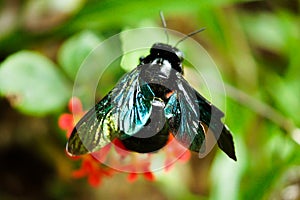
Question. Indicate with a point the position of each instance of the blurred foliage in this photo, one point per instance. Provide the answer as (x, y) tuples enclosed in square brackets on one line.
[(255, 45), (27, 78)]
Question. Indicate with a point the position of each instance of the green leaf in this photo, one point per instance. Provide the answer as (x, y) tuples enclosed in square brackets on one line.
[(75, 50), (33, 84)]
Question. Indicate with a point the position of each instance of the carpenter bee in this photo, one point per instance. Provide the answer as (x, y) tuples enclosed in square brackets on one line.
[(147, 105)]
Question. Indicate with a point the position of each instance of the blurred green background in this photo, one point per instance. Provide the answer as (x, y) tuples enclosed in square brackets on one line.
[(255, 45)]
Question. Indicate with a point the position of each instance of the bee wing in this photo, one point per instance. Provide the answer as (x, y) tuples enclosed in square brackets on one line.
[(196, 114), (183, 116), (121, 113), (132, 99), (88, 135)]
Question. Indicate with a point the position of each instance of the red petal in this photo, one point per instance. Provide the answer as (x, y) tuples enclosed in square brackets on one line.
[(88, 166), (132, 177), (169, 163), (69, 132), (75, 105), (94, 179), (171, 137), (65, 121), (108, 172), (119, 143), (185, 156), (120, 148), (79, 173), (149, 176), (100, 156), (129, 168)]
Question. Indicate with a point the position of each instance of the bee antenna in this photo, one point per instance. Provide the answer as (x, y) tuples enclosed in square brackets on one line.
[(163, 21), (189, 35)]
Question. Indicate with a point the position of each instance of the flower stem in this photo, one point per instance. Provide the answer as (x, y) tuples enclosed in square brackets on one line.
[(264, 110)]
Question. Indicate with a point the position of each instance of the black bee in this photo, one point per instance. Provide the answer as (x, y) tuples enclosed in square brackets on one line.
[(149, 103)]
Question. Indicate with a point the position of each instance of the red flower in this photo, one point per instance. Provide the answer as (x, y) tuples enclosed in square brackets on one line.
[(139, 166), (114, 157), (93, 170), (67, 121), (147, 175), (175, 152), (90, 167), (120, 148), (125, 161)]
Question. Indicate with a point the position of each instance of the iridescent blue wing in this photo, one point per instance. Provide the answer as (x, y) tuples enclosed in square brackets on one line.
[(188, 113), (120, 114), (183, 114), (131, 100)]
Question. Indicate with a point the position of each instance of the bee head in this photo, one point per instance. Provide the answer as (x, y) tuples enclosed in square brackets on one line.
[(168, 52)]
